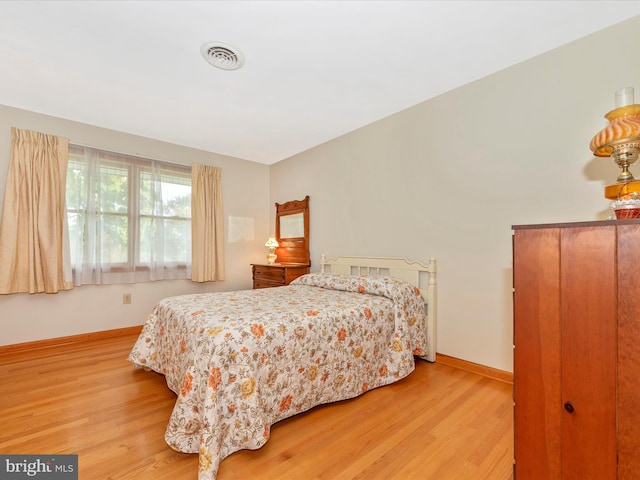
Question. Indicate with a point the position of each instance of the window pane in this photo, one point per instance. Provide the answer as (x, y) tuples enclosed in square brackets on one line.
[(76, 185), (76, 235), (113, 239), (174, 241), (177, 240), (167, 194), (177, 200), (146, 240), (114, 190)]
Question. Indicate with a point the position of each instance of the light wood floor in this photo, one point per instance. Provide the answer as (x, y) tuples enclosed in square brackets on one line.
[(439, 423)]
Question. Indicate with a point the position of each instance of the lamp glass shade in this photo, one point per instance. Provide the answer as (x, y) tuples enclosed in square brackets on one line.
[(271, 243), (624, 127)]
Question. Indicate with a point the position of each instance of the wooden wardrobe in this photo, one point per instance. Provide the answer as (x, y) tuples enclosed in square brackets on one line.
[(577, 350)]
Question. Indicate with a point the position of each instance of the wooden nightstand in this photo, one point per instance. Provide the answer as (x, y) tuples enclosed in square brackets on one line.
[(276, 275)]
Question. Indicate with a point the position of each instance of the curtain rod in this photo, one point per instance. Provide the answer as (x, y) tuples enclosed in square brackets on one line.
[(135, 155)]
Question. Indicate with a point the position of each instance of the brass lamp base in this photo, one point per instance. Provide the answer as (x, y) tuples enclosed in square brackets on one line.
[(624, 155)]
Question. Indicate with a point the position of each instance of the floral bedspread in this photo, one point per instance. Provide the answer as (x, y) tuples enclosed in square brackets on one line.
[(241, 361)]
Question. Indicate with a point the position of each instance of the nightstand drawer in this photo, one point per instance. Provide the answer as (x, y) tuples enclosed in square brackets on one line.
[(277, 274), (270, 274), (260, 283)]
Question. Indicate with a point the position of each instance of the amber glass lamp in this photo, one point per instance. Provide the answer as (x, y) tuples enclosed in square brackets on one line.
[(271, 245), (620, 140)]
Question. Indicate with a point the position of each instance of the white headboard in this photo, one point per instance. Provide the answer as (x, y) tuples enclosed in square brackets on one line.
[(413, 272)]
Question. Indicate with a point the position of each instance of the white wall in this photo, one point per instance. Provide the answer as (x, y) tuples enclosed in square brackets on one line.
[(25, 318), (449, 177)]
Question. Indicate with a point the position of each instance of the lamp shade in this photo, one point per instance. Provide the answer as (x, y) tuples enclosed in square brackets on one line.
[(271, 243), (623, 128)]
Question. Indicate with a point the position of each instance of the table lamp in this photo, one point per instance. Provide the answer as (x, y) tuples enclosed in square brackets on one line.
[(271, 245), (620, 140)]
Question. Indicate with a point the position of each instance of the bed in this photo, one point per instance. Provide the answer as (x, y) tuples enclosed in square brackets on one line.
[(241, 361)]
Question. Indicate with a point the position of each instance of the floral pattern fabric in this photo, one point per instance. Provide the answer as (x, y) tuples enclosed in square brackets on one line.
[(241, 361)]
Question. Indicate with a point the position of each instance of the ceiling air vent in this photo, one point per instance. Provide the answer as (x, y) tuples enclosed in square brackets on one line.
[(222, 56)]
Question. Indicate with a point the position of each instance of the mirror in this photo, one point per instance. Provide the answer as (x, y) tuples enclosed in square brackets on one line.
[(292, 232), (292, 226)]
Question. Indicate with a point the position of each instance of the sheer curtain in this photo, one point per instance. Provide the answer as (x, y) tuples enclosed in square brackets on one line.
[(129, 218), (207, 224), (33, 242)]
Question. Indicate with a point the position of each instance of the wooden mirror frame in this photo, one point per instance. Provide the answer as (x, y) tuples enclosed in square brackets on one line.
[(293, 250)]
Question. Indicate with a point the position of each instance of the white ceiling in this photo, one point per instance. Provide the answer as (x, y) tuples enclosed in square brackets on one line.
[(314, 70)]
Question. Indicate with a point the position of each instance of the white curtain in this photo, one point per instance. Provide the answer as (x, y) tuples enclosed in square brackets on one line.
[(129, 218)]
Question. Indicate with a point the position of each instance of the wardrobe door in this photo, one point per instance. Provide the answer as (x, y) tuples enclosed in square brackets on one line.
[(536, 267), (588, 325), (628, 352)]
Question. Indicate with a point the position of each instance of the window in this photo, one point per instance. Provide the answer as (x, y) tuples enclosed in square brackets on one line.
[(129, 218)]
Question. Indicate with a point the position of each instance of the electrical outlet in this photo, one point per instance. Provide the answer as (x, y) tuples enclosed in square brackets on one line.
[(126, 298)]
